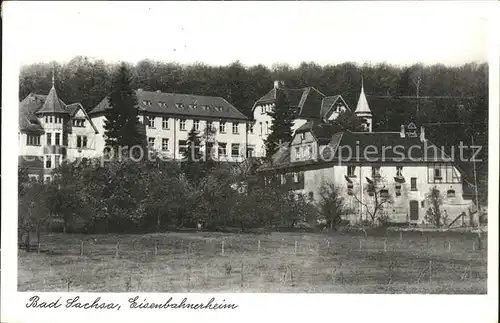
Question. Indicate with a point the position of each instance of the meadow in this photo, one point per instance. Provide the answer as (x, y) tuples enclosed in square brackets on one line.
[(339, 262)]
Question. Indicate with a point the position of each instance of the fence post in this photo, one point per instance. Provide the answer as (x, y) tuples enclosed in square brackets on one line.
[(241, 283), (38, 248), (400, 235), (360, 245), (81, 248), (117, 253), (473, 245), (295, 246), (430, 271), (385, 245), (449, 246), (258, 246), (156, 248), (222, 249)]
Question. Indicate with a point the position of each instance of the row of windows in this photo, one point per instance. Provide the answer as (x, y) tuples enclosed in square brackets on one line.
[(151, 123), (53, 119), (222, 147), (437, 173), (193, 106), (32, 140)]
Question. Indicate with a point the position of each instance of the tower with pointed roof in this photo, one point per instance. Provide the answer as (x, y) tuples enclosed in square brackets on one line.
[(363, 110)]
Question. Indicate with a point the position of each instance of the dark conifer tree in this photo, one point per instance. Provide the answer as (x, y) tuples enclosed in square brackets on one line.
[(281, 128), (122, 126), (193, 157)]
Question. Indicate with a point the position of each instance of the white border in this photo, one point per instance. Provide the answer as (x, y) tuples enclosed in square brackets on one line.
[(284, 307)]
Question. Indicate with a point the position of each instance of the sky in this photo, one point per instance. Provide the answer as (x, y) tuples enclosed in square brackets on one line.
[(219, 33)]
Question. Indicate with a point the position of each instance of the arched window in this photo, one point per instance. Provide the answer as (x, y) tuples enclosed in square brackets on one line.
[(450, 193)]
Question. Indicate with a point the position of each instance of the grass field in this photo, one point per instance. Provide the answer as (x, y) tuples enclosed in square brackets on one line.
[(285, 262)]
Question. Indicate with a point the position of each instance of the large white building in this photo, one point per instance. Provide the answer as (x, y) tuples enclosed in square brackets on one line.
[(50, 131), (168, 118), (405, 165), (308, 104)]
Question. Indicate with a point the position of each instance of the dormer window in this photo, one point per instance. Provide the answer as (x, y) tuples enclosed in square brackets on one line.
[(146, 102), (179, 105), (192, 106), (162, 104), (78, 122)]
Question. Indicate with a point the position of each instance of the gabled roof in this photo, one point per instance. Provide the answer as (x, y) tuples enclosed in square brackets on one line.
[(328, 103), (306, 100), (52, 104), (320, 130), (180, 104)]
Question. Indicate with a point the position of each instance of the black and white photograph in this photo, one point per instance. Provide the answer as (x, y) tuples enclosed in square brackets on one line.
[(248, 147)]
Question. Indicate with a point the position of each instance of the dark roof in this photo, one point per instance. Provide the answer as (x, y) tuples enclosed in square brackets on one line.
[(310, 103), (321, 131), (180, 104), (33, 104), (52, 104), (352, 147)]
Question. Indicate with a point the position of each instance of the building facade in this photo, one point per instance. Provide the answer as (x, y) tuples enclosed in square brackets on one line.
[(51, 131), (225, 132), (308, 103), (404, 166)]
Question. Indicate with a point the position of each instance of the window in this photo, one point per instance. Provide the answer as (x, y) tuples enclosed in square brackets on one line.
[(235, 150), (398, 189), (376, 171), (164, 123), (250, 151), (296, 178), (236, 127), (182, 124), (57, 161), (81, 141), (58, 138), (399, 171), (182, 146), (164, 144), (151, 142), (437, 172), (350, 186), (261, 128), (222, 149), (32, 140), (450, 193), (267, 127), (179, 105), (311, 196), (48, 161), (147, 102), (150, 122), (250, 127), (210, 125), (222, 127), (384, 193), (78, 122), (351, 171), (196, 124), (413, 183), (49, 139), (209, 150), (47, 178), (50, 119), (46, 119), (297, 153)]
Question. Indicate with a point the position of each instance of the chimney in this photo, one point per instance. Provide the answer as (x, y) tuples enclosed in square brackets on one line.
[(402, 132), (422, 134)]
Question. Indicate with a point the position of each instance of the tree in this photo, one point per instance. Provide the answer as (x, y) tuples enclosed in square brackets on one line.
[(331, 204), (192, 157), (122, 124), (32, 209), (350, 122), (433, 214), (281, 128), (376, 199)]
